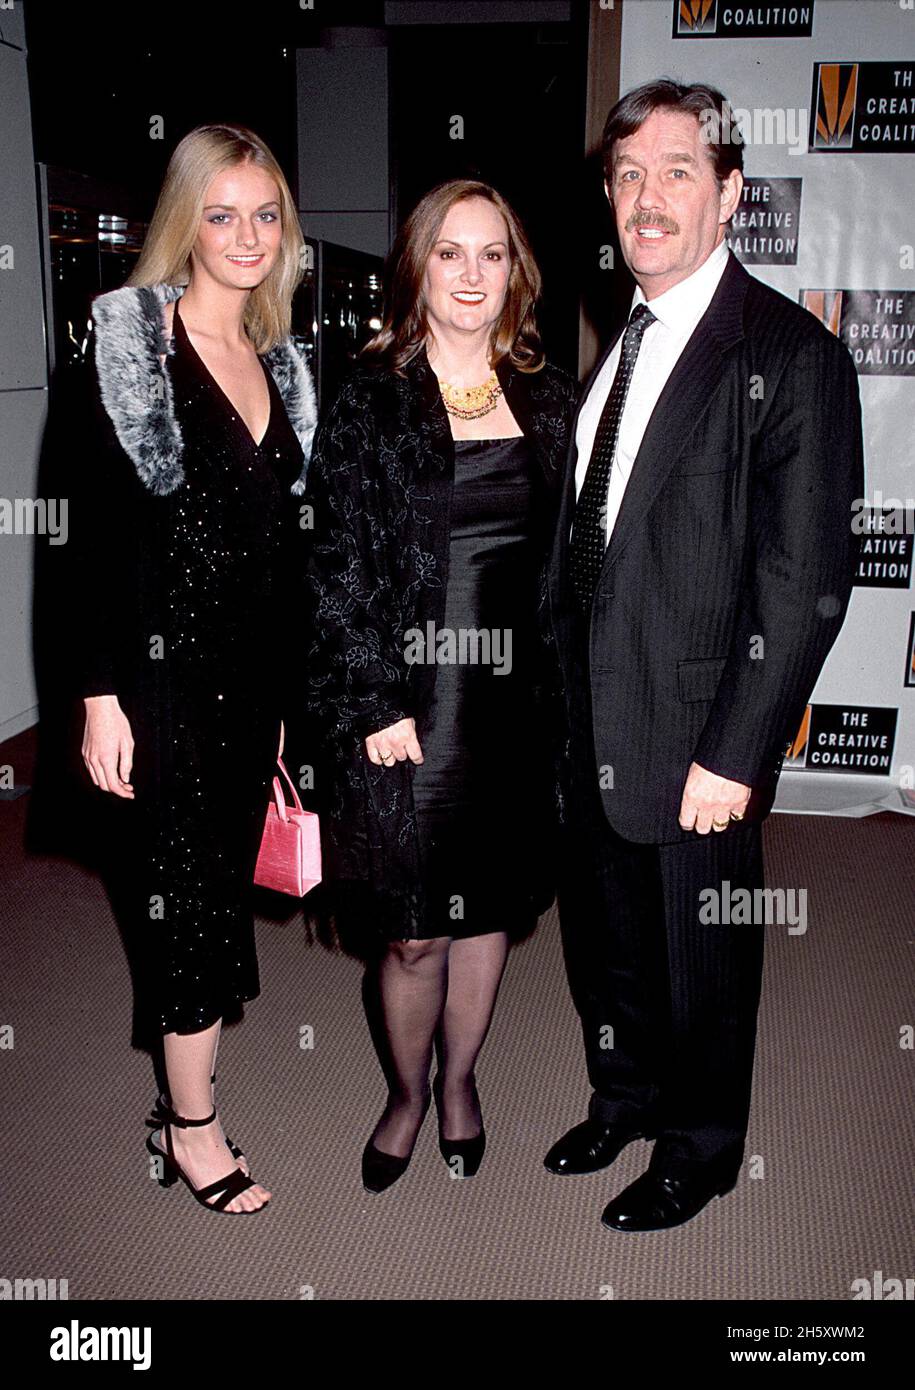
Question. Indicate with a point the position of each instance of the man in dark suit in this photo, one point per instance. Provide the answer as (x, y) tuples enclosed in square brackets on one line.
[(701, 571)]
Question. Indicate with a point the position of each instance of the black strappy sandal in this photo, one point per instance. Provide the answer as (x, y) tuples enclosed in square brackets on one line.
[(160, 1111), (224, 1190)]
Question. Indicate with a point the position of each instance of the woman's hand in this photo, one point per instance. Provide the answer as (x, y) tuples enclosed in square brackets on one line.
[(399, 741), (108, 745)]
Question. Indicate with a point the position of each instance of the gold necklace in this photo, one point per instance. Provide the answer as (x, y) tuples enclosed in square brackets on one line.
[(471, 402)]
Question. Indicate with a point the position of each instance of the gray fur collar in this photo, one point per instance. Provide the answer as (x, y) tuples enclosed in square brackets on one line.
[(136, 388)]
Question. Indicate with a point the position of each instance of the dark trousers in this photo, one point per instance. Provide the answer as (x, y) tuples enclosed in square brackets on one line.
[(667, 1002)]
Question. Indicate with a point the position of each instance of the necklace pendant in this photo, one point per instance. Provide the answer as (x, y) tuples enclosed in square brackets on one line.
[(471, 402)]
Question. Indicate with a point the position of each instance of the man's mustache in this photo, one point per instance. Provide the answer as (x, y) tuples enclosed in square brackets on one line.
[(666, 224)]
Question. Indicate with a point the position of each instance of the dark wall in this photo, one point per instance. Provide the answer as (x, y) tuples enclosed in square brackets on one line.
[(520, 90), (100, 71)]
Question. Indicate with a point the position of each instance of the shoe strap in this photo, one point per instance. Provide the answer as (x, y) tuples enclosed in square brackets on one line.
[(184, 1123), (229, 1187)]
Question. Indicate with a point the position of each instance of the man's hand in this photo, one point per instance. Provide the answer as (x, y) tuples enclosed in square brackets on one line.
[(399, 741), (710, 802), (108, 745)]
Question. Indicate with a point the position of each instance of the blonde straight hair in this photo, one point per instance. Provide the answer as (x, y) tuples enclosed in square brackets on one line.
[(166, 256)]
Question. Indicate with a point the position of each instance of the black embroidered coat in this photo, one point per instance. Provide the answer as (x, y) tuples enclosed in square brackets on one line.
[(380, 483)]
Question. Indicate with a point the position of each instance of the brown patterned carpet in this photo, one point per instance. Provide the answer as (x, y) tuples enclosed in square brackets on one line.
[(832, 1127)]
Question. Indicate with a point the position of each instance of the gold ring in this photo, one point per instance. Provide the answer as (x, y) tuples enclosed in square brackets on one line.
[(735, 816), (720, 824)]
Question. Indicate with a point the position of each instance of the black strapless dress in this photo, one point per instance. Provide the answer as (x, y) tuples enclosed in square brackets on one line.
[(482, 792)]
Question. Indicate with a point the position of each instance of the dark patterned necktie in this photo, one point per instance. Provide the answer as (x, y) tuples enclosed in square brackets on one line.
[(589, 540)]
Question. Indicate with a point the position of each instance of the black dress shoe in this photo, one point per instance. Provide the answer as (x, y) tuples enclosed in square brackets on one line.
[(469, 1152), (657, 1200), (590, 1146), (380, 1169)]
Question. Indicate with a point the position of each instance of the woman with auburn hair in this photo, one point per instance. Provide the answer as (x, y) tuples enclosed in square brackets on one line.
[(433, 483), (193, 438)]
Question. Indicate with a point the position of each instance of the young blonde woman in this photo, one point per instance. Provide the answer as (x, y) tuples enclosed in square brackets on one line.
[(197, 428)]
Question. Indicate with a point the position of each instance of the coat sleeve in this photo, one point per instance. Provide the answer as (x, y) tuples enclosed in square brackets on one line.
[(97, 582), (356, 676), (807, 471), (550, 695)]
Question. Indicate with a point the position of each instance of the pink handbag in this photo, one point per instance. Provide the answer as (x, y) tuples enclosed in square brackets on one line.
[(289, 860)]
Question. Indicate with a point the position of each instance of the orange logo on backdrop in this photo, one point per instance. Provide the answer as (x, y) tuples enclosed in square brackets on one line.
[(694, 13), (836, 102), (826, 305), (800, 743)]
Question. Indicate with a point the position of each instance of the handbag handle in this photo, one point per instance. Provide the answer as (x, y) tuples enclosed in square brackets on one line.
[(281, 808)]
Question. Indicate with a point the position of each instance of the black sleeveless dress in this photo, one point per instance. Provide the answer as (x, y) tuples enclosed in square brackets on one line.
[(481, 793), (206, 718)]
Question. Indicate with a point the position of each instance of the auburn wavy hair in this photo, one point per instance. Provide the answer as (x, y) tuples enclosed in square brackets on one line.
[(166, 256), (404, 326)]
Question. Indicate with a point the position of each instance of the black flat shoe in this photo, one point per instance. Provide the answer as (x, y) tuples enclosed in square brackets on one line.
[(463, 1156), (590, 1146), (380, 1169), (658, 1201)]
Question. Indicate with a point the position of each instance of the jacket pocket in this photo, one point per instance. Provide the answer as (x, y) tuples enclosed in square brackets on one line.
[(708, 461), (698, 680)]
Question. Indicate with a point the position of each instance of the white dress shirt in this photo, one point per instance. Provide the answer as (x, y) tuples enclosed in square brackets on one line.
[(678, 311)]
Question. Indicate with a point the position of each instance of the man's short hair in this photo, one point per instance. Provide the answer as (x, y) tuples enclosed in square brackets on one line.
[(710, 107)]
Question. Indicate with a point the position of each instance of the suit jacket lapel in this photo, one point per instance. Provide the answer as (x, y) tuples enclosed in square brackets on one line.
[(687, 394)]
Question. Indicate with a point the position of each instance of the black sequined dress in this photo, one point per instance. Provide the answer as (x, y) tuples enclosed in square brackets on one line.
[(202, 686), (481, 794)]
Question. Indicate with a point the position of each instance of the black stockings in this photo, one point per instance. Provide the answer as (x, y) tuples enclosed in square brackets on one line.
[(435, 994)]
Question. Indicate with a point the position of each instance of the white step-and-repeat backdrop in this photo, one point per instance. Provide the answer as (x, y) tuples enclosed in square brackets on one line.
[(825, 94)]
